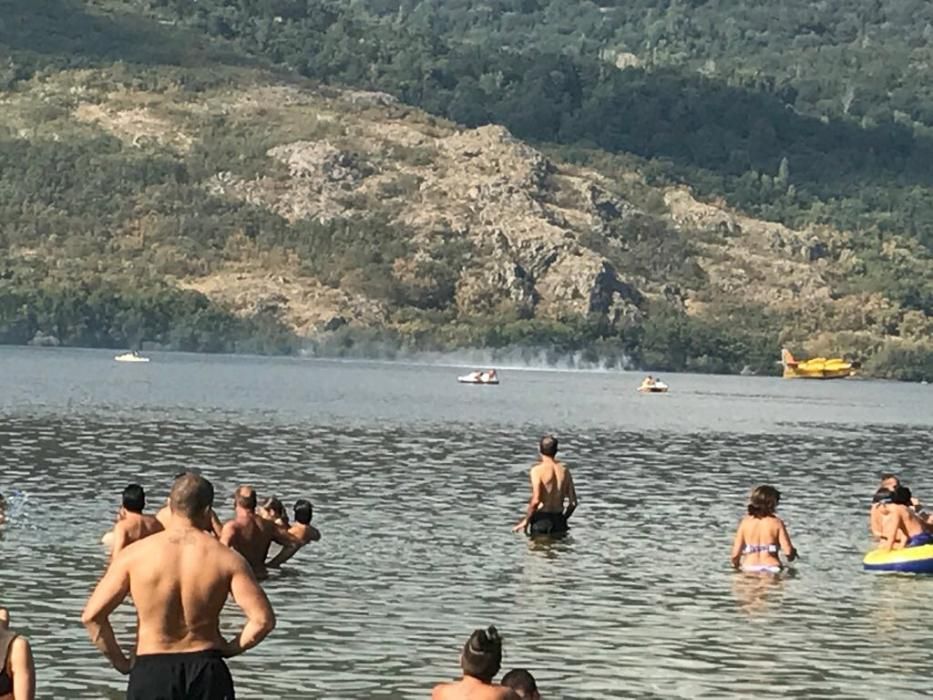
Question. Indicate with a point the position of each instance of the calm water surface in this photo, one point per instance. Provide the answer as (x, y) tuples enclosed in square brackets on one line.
[(416, 481)]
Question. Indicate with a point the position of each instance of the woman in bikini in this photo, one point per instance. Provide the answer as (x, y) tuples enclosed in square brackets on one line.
[(762, 535)]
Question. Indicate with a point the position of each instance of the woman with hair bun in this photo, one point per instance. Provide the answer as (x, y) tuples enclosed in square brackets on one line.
[(480, 661), (762, 535)]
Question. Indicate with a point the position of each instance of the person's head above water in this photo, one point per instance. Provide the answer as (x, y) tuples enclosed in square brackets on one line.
[(482, 654), (763, 501), (303, 511), (192, 497), (883, 496), (889, 481), (273, 506), (245, 497), (902, 496), (134, 498), (548, 446), (523, 683)]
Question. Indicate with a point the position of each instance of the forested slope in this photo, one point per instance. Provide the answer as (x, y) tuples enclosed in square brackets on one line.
[(125, 160)]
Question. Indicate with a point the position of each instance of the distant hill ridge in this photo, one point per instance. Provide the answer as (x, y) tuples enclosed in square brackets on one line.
[(194, 198)]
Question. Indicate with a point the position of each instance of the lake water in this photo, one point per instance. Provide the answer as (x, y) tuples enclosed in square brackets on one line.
[(416, 481)]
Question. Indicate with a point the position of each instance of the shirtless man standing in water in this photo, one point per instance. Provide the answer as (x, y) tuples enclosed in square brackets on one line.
[(251, 535), (551, 486), (179, 580), (133, 524)]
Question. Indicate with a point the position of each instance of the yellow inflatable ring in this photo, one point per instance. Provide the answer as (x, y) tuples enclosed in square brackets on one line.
[(911, 560)]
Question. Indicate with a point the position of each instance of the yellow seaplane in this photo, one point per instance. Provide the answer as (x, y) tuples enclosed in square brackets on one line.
[(817, 368)]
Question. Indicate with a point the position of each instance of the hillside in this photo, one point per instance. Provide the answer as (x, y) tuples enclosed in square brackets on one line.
[(190, 196)]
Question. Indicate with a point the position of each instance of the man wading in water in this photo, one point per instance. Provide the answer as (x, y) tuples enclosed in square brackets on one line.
[(179, 580), (551, 485)]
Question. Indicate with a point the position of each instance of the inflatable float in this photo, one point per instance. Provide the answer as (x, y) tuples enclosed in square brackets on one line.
[(656, 388), (910, 560)]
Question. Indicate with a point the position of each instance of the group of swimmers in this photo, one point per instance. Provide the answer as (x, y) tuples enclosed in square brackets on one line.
[(181, 565), (897, 519), (251, 531)]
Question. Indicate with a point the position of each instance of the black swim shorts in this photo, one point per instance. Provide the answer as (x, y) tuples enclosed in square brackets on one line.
[(199, 675), (543, 523)]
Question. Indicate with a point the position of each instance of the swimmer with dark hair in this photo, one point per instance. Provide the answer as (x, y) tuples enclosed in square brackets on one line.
[(901, 526), (302, 530), (762, 535), (132, 524), (480, 661), (523, 683), (551, 486)]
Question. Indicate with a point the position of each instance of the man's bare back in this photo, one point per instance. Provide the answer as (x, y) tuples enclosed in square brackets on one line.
[(133, 527), (251, 536), (471, 689), (179, 580), (554, 484)]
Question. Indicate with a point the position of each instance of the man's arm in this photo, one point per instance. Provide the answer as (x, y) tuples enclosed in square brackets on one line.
[(119, 540), (227, 532), (24, 670), (571, 497), (110, 592), (290, 545), (216, 525), (260, 619), (533, 503)]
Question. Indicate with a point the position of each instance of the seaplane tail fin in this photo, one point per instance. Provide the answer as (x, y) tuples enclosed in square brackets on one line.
[(787, 358)]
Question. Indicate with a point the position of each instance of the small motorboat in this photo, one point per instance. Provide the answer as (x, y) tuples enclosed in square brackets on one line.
[(656, 388), (131, 357), (489, 377)]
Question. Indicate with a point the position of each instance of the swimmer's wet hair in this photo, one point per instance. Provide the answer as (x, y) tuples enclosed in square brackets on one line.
[(246, 497), (902, 496), (548, 446), (482, 654), (883, 496), (134, 498), (303, 511), (191, 495), (763, 502), (521, 681), (275, 505)]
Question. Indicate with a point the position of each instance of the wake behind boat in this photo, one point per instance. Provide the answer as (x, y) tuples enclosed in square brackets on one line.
[(131, 357), (477, 377)]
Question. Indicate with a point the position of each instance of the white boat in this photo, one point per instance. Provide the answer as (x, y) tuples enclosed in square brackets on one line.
[(656, 388), (479, 378), (131, 357)]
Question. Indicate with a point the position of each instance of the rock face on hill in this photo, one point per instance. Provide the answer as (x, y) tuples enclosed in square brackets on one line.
[(396, 219)]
